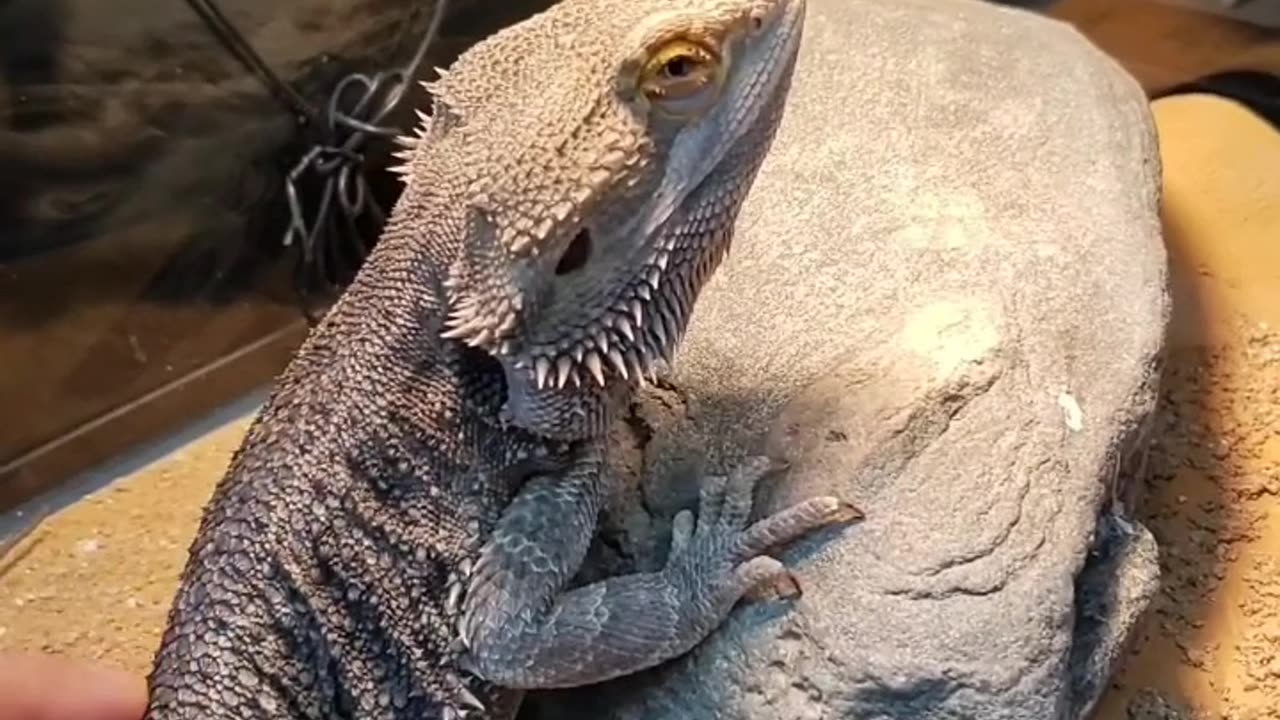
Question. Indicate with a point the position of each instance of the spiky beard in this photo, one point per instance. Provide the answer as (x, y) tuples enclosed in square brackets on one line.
[(635, 333), (570, 389), (639, 331)]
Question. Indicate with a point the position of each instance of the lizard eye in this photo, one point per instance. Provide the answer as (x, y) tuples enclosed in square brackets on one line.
[(682, 77)]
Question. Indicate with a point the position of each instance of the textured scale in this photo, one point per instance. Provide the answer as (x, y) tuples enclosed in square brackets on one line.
[(396, 536)]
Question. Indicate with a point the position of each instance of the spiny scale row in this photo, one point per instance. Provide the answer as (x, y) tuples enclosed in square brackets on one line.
[(409, 143), (632, 345), (469, 705), (482, 325)]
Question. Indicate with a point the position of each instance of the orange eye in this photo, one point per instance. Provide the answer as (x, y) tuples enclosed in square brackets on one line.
[(683, 77)]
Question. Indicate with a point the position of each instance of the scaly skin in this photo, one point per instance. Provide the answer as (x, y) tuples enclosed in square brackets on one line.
[(395, 537)]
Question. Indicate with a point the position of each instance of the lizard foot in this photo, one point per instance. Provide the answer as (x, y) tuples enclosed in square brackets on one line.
[(522, 628), (719, 558)]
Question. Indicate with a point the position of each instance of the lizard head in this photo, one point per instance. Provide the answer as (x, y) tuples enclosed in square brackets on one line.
[(602, 150)]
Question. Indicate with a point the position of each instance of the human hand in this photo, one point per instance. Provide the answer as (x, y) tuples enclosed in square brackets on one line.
[(47, 687)]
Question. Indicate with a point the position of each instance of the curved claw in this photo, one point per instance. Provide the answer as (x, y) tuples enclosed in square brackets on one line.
[(768, 580)]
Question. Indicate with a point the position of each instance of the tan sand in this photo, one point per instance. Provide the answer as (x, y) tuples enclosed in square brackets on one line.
[(1213, 640), (96, 579)]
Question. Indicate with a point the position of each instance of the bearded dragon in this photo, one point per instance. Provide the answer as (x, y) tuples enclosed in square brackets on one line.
[(398, 533)]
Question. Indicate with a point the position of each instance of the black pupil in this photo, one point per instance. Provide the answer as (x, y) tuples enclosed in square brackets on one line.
[(679, 66)]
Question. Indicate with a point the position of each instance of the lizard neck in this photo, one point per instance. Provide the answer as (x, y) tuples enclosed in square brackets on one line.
[(385, 328)]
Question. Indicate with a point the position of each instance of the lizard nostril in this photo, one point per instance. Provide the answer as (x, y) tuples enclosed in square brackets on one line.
[(577, 254)]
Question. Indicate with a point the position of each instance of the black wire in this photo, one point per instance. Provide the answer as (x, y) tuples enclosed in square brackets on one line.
[(336, 157), (345, 195), (244, 52)]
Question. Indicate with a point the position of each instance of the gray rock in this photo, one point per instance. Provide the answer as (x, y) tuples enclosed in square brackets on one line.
[(947, 303)]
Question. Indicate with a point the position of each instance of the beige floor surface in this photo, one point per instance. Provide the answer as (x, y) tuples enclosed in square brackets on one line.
[(95, 580), (1213, 501)]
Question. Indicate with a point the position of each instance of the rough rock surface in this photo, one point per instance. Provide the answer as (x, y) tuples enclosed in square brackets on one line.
[(946, 302)]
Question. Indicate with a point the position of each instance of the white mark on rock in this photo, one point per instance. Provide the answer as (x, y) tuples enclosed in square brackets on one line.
[(953, 333), (1071, 411), (947, 220), (86, 547)]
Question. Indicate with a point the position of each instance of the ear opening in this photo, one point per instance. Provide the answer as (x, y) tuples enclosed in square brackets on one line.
[(577, 254)]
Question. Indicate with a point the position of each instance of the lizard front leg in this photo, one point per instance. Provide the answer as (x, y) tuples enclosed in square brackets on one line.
[(523, 630)]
